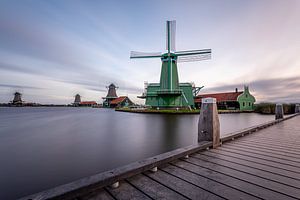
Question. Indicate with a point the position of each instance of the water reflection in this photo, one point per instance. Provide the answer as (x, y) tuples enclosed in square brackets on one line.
[(44, 147)]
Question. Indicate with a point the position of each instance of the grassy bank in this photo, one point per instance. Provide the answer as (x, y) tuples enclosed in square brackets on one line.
[(269, 108), (193, 111), (262, 108)]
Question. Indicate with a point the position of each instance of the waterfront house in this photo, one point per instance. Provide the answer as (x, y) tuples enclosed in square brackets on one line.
[(88, 103), (230, 100), (122, 101)]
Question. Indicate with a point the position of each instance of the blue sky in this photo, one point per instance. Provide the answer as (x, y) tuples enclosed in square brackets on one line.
[(51, 50)]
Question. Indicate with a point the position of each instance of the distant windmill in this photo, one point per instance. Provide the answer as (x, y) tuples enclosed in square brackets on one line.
[(169, 92), (111, 94), (17, 99), (77, 100)]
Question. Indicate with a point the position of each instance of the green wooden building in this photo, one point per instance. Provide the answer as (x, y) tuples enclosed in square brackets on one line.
[(246, 100), (243, 101), (157, 98)]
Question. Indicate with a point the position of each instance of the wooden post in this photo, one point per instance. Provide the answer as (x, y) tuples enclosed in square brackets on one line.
[(279, 111), (297, 108), (209, 125)]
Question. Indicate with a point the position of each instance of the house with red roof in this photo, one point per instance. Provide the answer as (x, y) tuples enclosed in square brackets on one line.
[(88, 103), (78, 102), (122, 101), (230, 100)]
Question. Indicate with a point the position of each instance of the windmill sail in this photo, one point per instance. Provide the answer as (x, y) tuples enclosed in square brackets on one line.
[(136, 54), (170, 39), (193, 52), (193, 58), (193, 55)]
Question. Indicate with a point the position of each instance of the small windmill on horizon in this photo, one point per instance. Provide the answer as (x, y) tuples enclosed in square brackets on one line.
[(111, 94), (169, 93)]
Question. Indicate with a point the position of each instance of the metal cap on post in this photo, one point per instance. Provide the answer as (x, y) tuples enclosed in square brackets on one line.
[(297, 108), (209, 125), (279, 111)]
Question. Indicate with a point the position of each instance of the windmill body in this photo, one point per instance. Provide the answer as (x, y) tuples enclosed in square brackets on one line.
[(77, 100), (169, 93), (17, 101), (111, 95)]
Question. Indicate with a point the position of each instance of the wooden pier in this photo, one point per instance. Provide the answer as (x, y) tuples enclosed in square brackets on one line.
[(261, 162)]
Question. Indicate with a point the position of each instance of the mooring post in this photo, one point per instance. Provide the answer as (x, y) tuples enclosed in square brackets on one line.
[(297, 108), (209, 125), (279, 111)]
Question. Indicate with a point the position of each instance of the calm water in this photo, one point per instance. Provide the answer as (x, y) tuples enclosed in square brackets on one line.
[(44, 147)]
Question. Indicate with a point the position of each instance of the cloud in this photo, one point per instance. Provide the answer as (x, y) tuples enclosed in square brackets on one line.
[(100, 85), (83, 47), (275, 89), (16, 68), (20, 87)]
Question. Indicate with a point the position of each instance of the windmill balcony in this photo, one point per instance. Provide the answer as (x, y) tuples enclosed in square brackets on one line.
[(169, 92)]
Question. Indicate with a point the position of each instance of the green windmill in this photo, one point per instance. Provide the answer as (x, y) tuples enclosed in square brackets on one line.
[(169, 93)]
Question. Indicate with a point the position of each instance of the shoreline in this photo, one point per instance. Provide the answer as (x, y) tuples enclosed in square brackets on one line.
[(197, 111)]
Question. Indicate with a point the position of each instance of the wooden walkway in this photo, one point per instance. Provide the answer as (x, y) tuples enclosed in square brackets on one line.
[(260, 165), (263, 165)]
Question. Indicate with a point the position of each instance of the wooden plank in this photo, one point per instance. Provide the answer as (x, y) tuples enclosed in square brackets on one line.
[(126, 191), (247, 131), (241, 155), (263, 148), (268, 145), (252, 129), (205, 183), (154, 189), (186, 188), (289, 129), (230, 181), (275, 135), (250, 170), (275, 161), (270, 148), (289, 161), (264, 167), (278, 131), (278, 134), (290, 156), (286, 139), (98, 195), (271, 185), (277, 144)]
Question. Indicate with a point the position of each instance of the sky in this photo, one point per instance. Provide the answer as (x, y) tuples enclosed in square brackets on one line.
[(51, 50)]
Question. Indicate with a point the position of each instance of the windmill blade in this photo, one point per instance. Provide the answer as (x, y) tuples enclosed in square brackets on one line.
[(136, 54), (170, 39), (194, 57), (193, 52)]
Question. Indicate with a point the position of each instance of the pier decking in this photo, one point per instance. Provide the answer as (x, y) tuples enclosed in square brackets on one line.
[(261, 165)]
